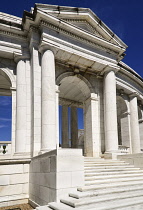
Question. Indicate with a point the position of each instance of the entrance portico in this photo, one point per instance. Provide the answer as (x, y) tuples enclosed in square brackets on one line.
[(64, 56)]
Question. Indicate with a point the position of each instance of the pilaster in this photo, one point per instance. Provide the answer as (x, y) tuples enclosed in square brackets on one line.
[(92, 144)]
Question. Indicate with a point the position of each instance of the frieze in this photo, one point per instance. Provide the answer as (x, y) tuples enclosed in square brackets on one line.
[(57, 28)]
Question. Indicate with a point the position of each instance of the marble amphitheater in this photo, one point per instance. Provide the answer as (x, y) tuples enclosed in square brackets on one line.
[(65, 56)]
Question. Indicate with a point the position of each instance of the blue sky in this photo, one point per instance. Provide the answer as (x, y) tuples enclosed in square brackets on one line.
[(5, 118), (125, 18)]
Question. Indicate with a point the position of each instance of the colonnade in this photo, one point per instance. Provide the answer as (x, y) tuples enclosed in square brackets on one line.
[(49, 122), (110, 117)]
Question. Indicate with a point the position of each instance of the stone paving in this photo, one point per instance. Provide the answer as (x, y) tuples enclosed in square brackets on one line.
[(25, 206)]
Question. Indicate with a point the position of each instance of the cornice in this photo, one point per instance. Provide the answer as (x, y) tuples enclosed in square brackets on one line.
[(128, 87), (130, 71), (127, 74), (15, 35), (75, 36)]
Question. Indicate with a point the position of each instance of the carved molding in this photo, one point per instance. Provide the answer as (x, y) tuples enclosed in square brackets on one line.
[(34, 29), (84, 40), (15, 35)]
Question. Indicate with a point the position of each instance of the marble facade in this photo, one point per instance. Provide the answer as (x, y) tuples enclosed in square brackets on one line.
[(60, 56)]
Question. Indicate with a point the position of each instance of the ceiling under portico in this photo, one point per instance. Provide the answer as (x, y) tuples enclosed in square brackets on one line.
[(72, 89), (5, 84)]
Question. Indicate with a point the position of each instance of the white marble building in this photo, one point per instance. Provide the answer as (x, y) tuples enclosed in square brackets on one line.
[(63, 56)]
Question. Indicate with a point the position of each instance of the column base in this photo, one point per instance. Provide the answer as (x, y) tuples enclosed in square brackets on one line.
[(111, 155), (42, 151), (94, 155), (21, 155)]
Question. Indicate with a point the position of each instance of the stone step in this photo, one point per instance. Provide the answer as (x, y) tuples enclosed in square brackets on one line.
[(109, 185), (114, 190), (113, 180), (90, 171), (133, 207), (86, 159), (108, 169), (99, 177), (107, 166), (59, 206), (99, 173), (43, 208), (124, 203), (73, 202), (108, 205)]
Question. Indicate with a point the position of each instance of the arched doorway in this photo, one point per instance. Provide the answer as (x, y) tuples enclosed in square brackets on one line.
[(74, 94)]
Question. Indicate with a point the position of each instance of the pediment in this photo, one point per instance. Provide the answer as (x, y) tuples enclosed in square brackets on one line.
[(84, 19), (84, 25)]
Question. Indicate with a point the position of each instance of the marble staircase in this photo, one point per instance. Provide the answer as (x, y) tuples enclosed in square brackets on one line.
[(109, 184)]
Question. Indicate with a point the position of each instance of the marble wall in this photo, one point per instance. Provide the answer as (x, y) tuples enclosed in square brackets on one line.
[(54, 174), (14, 182)]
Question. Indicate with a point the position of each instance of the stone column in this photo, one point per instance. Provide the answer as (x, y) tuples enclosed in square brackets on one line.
[(65, 133), (110, 113), (92, 145), (74, 127), (48, 102), (20, 107), (135, 135)]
